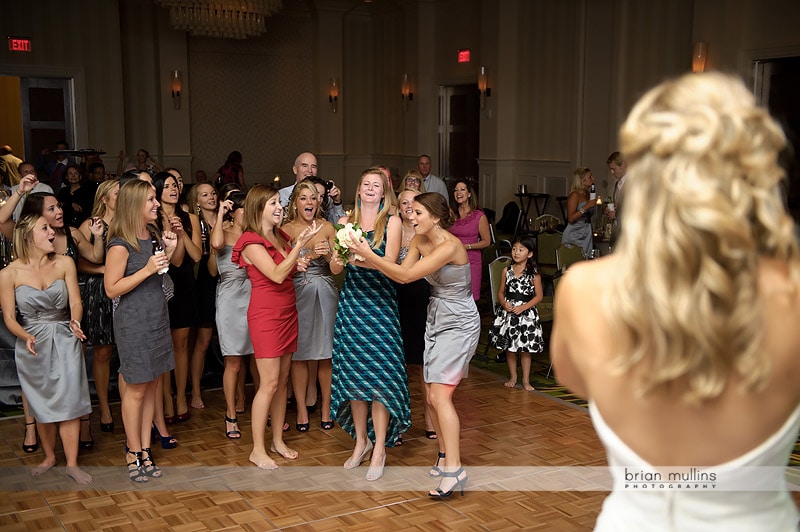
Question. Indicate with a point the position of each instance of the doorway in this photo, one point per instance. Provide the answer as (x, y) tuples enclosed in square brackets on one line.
[(459, 134), (47, 113)]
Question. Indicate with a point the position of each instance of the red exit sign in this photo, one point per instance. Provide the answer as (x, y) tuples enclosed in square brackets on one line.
[(463, 55), (17, 44)]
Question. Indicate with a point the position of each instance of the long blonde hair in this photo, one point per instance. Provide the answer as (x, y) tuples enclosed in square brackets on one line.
[(127, 220), (254, 204), (383, 214), (702, 205), (576, 184), (103, 190), (291, 213)]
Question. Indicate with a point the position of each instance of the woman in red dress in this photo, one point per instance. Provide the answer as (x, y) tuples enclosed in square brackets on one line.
[(263, 249)]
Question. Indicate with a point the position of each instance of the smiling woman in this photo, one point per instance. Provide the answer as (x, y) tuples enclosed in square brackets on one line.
[(48, 353), (264, 251), (369, 374)]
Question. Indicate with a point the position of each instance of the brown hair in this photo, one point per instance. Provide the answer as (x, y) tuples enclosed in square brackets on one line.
[(254, 205), (436, 205)]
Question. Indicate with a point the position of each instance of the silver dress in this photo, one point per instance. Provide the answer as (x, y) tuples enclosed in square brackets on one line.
[(54, 380), (453, 326), (317, 301), (233, 298)]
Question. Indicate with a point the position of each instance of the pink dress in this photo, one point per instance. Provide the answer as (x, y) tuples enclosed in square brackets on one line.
[(272, 314), (466, 229)]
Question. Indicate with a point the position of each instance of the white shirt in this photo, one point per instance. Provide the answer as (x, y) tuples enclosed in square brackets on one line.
[(434, 184)]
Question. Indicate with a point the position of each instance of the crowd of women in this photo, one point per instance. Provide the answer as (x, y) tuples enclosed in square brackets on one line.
[(151, 270)]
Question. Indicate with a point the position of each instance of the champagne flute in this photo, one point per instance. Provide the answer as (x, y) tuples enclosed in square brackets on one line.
[(306, 256)]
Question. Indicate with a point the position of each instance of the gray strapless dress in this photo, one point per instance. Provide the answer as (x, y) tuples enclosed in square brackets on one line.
[(317, 302), (453, 326), (54, 381), (233, 298)]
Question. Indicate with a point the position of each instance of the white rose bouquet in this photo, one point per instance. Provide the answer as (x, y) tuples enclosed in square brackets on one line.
[(342, 239)]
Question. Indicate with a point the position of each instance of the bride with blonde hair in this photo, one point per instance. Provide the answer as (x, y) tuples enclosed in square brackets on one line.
[(693, 362)]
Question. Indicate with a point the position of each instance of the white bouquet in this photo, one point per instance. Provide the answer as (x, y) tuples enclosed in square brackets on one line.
[(342, 239)]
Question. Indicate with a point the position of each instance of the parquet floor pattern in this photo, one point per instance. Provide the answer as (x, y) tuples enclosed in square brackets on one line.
[(500, 427)]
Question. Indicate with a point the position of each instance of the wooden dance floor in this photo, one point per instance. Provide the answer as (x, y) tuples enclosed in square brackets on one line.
[(209, 484)]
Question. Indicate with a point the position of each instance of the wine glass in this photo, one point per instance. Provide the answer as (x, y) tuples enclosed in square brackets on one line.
[(306, 255)]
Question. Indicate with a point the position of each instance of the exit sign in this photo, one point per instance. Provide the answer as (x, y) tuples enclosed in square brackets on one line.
[(463, 55), (17, 44)]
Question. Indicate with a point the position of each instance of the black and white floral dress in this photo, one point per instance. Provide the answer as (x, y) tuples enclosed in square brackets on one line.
[(514, 333)]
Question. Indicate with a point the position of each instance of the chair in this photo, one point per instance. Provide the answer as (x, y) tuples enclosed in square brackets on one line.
[(546, 244), (496, 268), (546, 222), (546, 311), (567, 255), (501, 247)]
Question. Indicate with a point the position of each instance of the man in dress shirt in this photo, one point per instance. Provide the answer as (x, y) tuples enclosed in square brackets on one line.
[(432, 183), (305, 165), (56, 169), (27, 169), (618, 168)]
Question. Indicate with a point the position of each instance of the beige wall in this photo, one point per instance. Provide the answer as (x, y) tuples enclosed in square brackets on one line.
[(78, 40), (563, 75)]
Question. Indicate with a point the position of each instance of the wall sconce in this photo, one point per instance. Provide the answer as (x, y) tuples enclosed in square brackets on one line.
[(699, 54), (333, 94), (177, 85), (483, 85), (405, 92)]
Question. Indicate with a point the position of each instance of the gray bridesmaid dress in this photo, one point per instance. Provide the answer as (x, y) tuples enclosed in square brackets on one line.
[(233, 298), (54, 380), (317, 301), (453, 326)]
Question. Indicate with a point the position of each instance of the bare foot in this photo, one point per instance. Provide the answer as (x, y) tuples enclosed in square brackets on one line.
[(44, 467), (281, 449), (512, 383), (78, 475), (263, 461), (197, 403), (528, 387)]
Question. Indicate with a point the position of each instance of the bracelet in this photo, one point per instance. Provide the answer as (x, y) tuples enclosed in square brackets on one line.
[(581, 210), (337, 203), (76, 322), (469, 246)]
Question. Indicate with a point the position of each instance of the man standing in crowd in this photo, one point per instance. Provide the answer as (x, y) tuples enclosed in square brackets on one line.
[(8, 166), (305, 165), (432, 183), (56, 169)]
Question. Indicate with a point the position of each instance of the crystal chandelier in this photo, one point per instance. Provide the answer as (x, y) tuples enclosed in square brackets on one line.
[(231, 19)]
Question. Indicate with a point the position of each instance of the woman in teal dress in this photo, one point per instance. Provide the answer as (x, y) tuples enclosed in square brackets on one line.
[(369, 389)]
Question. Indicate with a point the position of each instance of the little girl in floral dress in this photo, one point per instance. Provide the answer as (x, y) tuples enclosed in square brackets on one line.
[(516, 328)]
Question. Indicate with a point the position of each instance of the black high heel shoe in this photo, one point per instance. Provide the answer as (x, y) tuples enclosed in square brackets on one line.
[(436, 471), (460, 483), (136, 471), (35, 445), (87, 444), (107, 427), (167, 442)]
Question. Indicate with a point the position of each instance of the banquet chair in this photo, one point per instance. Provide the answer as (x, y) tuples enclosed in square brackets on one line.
[(546, 222), (546, 244), (552, 299), (496, 268), (567, 255), (501, 247)]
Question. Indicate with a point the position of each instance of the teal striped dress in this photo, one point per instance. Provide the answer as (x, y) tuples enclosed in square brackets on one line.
[(368, 359)]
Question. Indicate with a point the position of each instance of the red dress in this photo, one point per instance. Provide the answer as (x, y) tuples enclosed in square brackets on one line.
[(272, 313)]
